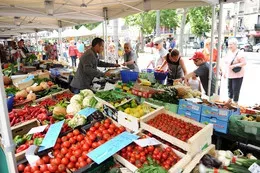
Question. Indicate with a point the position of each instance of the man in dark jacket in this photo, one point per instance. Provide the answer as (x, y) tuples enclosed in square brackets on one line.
[(87, 68)]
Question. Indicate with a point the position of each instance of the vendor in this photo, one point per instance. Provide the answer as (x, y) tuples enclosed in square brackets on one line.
[(176, 66), (130, 58), (87, 68), (202, 72)]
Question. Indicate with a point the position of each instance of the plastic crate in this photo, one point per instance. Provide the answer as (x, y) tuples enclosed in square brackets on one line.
[(127, 76), (160, 76), (218, 125), (189, 114), (10, 102)]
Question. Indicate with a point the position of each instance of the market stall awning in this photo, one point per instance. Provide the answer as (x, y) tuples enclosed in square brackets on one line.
[(52, 14)]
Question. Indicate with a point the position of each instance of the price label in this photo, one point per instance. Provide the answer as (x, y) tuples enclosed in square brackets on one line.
[(87, 111), (254, 168)]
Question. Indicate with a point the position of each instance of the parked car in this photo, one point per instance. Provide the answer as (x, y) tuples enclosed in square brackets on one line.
[(256, 48), (247, 47), (193, 45)]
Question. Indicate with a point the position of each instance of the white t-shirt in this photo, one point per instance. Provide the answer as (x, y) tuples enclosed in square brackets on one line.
[(159, 58), (194, 84)]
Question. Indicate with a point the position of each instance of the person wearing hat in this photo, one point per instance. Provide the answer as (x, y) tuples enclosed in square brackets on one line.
[(202, 72), (159, 59)]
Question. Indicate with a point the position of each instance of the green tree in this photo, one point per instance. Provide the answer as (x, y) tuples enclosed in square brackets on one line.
[(147, 20), (200, 20), (90, 26)]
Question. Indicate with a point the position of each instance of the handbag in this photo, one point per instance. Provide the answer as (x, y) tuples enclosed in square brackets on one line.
[(235, 69)]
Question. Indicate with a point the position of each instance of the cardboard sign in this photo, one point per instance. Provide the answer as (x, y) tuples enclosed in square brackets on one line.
[(30, 77), (51, 136), (147, 141), (87, 111), (30, 156), (111, 147), (37, 129)]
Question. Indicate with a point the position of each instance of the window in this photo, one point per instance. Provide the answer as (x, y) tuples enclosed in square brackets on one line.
[(241, 7), (258, 20)]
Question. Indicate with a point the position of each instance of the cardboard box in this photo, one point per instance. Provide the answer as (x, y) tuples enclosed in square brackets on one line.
[(218, 125), (189, 114), (193, 145), (190, 106)]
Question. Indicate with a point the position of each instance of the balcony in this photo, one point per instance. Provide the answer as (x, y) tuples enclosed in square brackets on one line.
[(257, 27)]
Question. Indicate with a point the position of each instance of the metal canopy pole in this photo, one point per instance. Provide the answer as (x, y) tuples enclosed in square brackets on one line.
[(220, 28), (105, 27), (211, 47), (7, 139), (60, 39), (158, 29), (115, 33), (36, 39)]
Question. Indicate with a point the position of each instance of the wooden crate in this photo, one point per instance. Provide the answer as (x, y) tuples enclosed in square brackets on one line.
[(23, 129), (194, 145), (132, 122), (178, 167), (190, 166), (50, 96)]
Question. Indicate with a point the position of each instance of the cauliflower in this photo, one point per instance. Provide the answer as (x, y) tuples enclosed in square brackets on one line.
[(99, 105), (73, 108), (76, 99), (77, 120), (86, 93), (86, 101)]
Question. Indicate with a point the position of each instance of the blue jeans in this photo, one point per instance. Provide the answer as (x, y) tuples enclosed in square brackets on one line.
[(234, 86), (73, 61)]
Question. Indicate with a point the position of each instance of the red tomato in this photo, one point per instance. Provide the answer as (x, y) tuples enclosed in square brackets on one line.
[(94, 145), (70, 135), (92, 137), (77, 153), (82, 164), (68, 155), (56, 161), (92, 129), (102, 128), (71, 165), (80, 137), (72, 140), (66, 144), (60, 155), (27, 169), (39, 162), (85, 147), (107, 121), (64, 138), (34, 168), (76, 132), (43, 168), (110, 131), (57, 146), (65, 161), (81, 159), (84, 154), (73, 159), (106, 137), (61, 168), (21, 167), (106, 125), (89, 161), (46, 159), (52, 168), (64, 150), (150, 148), (97, 124)]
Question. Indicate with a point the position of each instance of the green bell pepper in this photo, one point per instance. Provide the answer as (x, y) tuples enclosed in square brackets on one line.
[(19, 140), (37, 141), (58, 117)]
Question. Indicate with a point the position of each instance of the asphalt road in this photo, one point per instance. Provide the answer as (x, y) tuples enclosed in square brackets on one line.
[(250, 91)]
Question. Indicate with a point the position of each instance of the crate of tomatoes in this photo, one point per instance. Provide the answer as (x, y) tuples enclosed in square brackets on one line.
[(70, 151), (185, 133), (152, 158)]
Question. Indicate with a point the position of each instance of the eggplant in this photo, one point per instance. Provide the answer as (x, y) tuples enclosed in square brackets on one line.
[(210, 161)]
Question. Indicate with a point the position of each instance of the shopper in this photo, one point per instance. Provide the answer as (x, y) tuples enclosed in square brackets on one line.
[(206, 51), (202, 72), (73, 53), (176, 66), (111, 54), (159, 58), (87, 68), (80, 48), (235, 70), (130, 59)]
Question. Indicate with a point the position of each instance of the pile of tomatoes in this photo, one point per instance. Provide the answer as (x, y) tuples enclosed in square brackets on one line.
[(70, 151), (174, 126), (138, 155)]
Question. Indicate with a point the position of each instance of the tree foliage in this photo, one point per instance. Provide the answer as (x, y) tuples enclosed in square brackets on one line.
[(147, 20), (89, 26), (200, 20)]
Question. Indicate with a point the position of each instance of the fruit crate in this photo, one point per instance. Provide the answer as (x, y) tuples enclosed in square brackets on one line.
[(132, 122), (22, 129), (196, 160), (193, 145), (178, 167), (51, 95)]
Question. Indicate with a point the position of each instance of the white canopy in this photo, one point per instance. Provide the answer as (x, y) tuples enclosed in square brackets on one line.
[(83, 31), (52, 14)]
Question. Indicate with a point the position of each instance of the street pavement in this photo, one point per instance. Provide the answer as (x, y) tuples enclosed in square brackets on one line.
[(250, 91)]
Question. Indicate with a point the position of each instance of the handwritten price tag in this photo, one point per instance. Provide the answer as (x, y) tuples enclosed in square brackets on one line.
[(254, 168)]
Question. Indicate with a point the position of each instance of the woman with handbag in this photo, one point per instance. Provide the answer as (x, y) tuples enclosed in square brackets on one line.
[(235, 70)]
